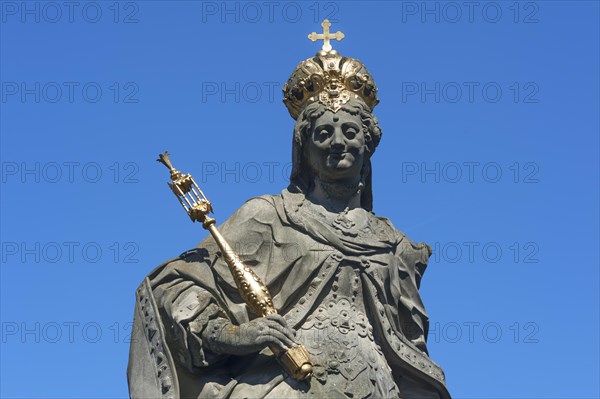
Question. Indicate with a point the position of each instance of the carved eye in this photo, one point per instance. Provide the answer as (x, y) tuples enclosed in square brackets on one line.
[(350, 132), (323, 133)]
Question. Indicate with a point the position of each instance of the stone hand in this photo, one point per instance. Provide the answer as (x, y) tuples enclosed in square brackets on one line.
[(225, 338)]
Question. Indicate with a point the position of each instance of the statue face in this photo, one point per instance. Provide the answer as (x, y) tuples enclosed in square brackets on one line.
[(336, 146)]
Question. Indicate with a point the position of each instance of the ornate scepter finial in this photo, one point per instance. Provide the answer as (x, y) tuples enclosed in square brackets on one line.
[(188, 193), (165, 160)]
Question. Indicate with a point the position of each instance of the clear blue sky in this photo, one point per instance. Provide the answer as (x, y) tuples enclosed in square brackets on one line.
[(490, 153)]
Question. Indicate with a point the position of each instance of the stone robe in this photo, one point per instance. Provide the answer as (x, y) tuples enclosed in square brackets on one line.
[(298, 253)]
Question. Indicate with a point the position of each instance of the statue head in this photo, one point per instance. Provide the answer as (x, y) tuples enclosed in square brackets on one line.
[(335, 147), (332, 97)]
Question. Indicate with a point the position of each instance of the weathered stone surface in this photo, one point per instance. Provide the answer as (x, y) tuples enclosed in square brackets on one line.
[(344, 281)]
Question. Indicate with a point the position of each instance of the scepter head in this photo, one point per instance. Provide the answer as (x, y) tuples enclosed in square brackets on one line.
[(187, 191)]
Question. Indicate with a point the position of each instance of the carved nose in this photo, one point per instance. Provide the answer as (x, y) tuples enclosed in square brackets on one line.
[(337, 141), (337, 148)]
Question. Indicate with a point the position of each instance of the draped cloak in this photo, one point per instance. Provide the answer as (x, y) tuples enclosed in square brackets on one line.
[(296, 254)]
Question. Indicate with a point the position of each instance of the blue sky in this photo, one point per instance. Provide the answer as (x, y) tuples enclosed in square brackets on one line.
[(490, 153)]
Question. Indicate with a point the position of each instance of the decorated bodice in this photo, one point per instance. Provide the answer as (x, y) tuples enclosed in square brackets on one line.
[(348, 361)]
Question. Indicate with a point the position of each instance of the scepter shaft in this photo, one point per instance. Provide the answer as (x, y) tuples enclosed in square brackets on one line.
[(254, 292)]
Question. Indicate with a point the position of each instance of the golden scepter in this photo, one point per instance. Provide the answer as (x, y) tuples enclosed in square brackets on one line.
[(253, 291)]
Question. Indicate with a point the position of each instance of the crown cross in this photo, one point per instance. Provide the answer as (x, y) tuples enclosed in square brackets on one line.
[(326, 36)]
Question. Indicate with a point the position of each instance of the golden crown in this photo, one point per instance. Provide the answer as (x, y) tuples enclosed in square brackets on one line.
[(328, 78)]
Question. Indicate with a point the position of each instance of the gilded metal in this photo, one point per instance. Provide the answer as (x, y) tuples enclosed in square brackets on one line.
[(326, 36), (328, 78), (187, 192), (253, 291)]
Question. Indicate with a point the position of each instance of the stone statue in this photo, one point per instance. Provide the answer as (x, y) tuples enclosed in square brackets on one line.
[(343, 280)]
